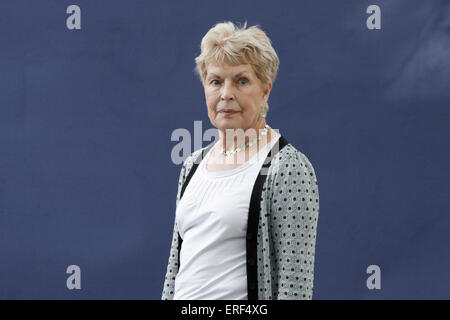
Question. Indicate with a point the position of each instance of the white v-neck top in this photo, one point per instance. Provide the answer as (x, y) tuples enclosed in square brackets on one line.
[(212, 219)]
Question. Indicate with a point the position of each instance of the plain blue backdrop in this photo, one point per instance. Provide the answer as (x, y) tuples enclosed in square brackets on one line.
[(86, 116)]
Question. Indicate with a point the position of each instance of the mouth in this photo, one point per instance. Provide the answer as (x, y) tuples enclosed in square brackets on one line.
[(227, 112)]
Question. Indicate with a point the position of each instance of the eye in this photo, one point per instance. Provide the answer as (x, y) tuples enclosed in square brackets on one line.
[(213, 82), (243, 80)]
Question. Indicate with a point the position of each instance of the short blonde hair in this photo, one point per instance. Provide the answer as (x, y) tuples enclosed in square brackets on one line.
[(227, 43)]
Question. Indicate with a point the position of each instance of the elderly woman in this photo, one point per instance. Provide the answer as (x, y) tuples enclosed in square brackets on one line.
[(247, 204)]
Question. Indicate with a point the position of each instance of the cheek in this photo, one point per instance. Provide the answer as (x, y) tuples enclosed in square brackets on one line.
[(210, 103), (211, 99), (211, 107), (248, 102)]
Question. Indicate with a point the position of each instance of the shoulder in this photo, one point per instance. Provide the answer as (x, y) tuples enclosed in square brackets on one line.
[(188, 163), (292, 178), (291, 155), (291, 163)]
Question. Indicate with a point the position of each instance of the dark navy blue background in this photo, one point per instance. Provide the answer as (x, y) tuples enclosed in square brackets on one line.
[(86, 117)]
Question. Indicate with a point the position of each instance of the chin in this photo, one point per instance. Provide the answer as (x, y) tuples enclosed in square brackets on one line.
[(228, 125)]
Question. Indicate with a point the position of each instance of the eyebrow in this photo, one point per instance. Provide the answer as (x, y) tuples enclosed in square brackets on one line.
[(217, 76)]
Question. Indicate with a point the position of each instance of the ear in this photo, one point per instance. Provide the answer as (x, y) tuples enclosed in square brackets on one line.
[(267, 91)]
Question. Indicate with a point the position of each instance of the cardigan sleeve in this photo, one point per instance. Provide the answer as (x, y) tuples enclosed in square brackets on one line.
[(172, 266), (294, 213)]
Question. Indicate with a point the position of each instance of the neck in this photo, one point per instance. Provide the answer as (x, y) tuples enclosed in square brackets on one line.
[(231, 139)]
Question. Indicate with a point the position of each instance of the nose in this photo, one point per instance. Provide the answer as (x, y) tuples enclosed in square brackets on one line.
[(227, 91)]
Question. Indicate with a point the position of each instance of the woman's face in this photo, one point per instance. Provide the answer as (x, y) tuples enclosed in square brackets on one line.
[(235, 89)]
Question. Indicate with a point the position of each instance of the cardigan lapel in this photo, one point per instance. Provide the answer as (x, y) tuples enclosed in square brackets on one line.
[(253, 220)]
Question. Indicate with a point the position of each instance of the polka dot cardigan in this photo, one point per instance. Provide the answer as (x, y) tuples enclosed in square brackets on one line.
[(281, 231)]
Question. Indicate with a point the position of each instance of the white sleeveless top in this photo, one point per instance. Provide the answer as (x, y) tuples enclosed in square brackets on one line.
[(212, 220)]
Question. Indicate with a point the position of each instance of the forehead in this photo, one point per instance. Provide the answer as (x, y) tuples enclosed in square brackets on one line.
[(227, 69)]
